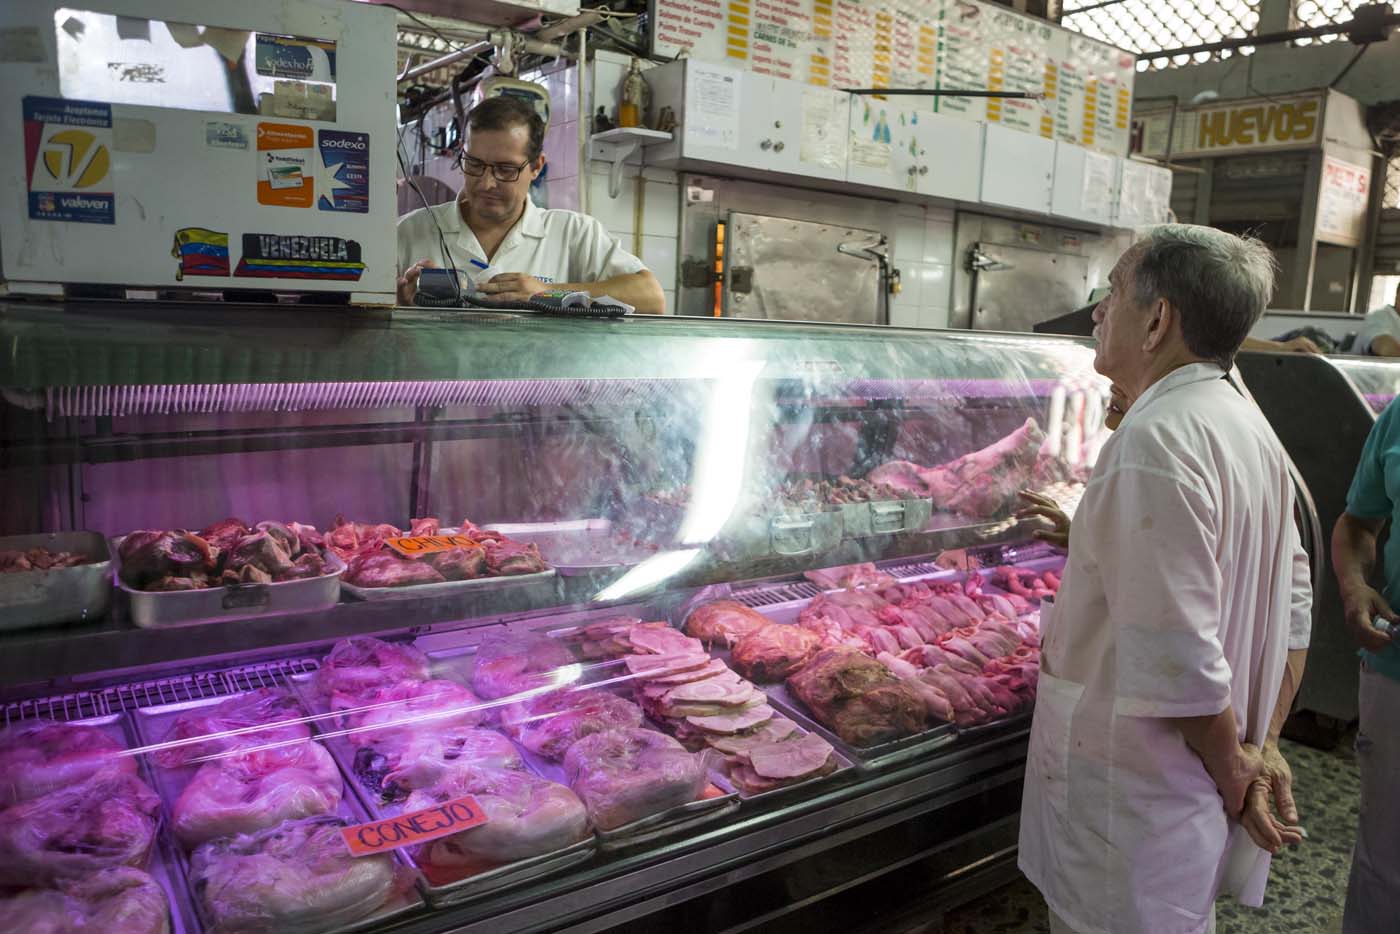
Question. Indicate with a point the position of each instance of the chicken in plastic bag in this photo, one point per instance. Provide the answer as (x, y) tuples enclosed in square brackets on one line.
[(112, 901), (210, 731), (411, 707), (361, 664), (295, 878), (40, 756), (248, 791), (513, 662), (627, 774), (106, 821), (549, 724), (526, 816)]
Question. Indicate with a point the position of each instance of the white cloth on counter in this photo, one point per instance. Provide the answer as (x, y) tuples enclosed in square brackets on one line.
[(1178, 600), (1384, 320), (553, 246)]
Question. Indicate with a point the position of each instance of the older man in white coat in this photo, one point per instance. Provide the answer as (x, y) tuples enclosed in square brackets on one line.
[(1166, 649)]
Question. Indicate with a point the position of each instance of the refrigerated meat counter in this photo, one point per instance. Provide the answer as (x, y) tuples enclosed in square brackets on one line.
[(718, 625)]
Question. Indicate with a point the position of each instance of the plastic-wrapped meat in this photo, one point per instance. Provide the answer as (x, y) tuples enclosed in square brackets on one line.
[(406, 762), (362, 663), (723, 622), (507, 558), (248, 791), (511, 662), (773, 652), (294, 878), (412, 707), (548, 725), (625, 775), (526, 816), (148, 556), (209, 731), (42, 756), (459, 564), (101, 823), (224, 533), (387, 569), (117, 901)]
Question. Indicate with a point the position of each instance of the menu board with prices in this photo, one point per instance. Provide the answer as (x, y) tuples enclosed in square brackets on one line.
[(943, 44)]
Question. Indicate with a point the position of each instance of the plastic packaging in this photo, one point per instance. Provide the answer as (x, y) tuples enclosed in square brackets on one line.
[(294, 878), (548, 725), (527, 816), (117, 901), (41, 756), (103, 822), (625, 775), (515, 662), (409, 707), (208, 732), (250, 791), (361, 664), (393, 766)]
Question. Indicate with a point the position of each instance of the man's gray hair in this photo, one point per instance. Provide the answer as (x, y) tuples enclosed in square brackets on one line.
[(1218, 283)]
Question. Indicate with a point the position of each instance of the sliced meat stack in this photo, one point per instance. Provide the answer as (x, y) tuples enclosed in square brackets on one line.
[(372, 563), (228, 552), (628, 774), (294, 876), (858, 698), (526, 816), (119, 901)]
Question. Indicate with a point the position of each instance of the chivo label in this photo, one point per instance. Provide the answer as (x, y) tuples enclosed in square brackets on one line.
[(345, 163)]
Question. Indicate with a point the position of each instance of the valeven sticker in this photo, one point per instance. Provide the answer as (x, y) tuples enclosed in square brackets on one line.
[(68, 160)]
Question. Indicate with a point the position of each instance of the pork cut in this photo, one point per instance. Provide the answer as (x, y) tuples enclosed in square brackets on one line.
[(295, 878), (549, 724), (14, 561), (259, 557), (400, 764), (850, 575), (362, 663), (508, 558), (249, 791), (723, 622), (225, 532), (857, 697), (981, 484), (792, 759), (148, 556), (736, 722), (660, 639), (103, 822), (511, 662), (774, 651), (775, 730), (459, 564), (387, 569), (117, 901), (625, 775), (208, 731), (526, 816), (42, 756)]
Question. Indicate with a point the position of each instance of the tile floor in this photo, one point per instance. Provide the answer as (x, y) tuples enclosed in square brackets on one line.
[(1306, 886)]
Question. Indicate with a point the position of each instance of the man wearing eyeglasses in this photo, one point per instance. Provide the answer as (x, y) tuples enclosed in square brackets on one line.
[(493, 222)]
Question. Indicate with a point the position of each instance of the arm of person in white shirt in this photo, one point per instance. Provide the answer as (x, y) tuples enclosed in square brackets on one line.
[(641, 289), (1298, 344), (1383, 345)]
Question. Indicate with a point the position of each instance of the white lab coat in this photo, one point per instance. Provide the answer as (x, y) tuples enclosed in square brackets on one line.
[(1177, 600)]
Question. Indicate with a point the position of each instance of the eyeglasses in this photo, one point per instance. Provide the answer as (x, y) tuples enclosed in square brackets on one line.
[(502, 172)]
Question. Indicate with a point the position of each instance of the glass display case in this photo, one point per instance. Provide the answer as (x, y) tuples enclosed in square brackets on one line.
[(1378, 380), (697, 615)]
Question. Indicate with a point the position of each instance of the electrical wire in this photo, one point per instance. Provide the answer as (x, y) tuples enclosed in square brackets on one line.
[(453, 44), (1354, 59), (442, 239)]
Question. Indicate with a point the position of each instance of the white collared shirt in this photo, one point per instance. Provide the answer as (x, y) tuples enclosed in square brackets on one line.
[(552, 246), (1181, 590)]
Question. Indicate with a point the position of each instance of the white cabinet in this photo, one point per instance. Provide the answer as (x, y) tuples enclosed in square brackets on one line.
[(1017, 169), (900, 146), (952, 157), (751, 122), (1144, 195), (1086, 184)]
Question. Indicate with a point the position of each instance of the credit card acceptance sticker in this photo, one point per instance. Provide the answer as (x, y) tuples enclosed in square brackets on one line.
[(286, 171)]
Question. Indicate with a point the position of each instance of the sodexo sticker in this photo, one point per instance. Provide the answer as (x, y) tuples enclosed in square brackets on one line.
[(345, 168)]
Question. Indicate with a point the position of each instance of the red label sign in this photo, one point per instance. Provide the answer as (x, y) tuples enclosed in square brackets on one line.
[(413, 546), (440, 820)]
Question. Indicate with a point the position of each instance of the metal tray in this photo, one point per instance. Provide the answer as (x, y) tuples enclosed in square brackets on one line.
[(446, 588), (581, 546), (841, 773), (460, 890), (152, 724), (163, 860), (155, 610), (64, 595), (1015, 721)]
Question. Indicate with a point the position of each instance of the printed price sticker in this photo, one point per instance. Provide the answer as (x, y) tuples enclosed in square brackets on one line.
[(413, 546), (440, 820)]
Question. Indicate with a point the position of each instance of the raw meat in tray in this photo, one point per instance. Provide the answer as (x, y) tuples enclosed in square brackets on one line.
[(296, 876), (723, 622), (227, 552), (371, 563), (40, 756), (267, 715), (361, 663)]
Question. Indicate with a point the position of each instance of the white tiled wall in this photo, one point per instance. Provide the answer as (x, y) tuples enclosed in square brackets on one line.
[(561, 140), (923, 254)]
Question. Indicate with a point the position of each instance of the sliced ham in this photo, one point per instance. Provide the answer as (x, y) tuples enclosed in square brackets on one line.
[(663, 640), (733, 723), (729, 691), (713, 669), (653, 667), (791, 759), (774, 731)]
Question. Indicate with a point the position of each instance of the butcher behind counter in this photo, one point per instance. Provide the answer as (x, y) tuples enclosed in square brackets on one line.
[(494, 226)]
